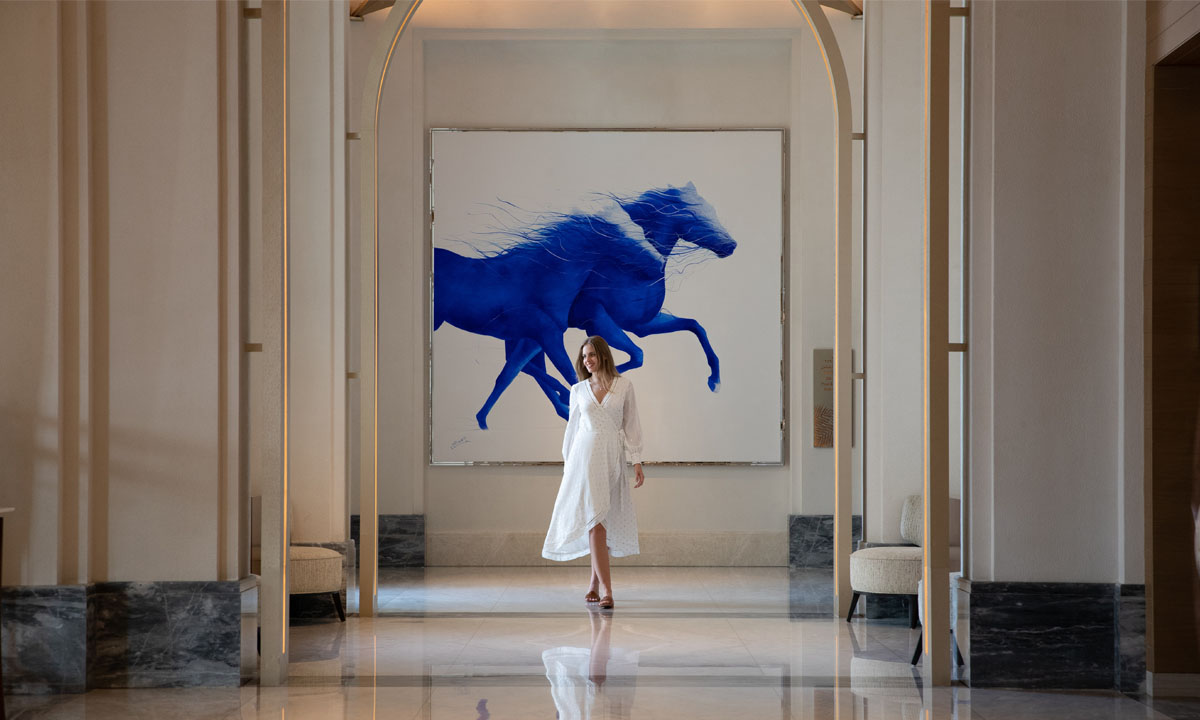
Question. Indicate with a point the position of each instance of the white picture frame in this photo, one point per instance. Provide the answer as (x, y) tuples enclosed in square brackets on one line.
[(505, 196)]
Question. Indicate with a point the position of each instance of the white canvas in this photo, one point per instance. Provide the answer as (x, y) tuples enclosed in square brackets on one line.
[(488, 185)]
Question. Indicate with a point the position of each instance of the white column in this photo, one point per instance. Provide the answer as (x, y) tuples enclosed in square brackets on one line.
[(272, 391), (368, 382), (839, 88), (316, 149), (894, 237), (936, 304)]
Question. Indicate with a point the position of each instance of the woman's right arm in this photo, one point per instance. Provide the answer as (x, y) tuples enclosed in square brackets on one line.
[(572, 426)]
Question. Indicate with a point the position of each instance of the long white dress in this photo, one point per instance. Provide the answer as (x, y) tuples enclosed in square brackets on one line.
[(595, 487)]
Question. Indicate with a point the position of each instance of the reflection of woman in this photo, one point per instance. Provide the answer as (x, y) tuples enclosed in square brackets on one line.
[(580, 677), (594, 511)]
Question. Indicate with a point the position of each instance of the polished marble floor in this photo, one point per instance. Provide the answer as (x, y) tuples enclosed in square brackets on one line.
[(695, 643)]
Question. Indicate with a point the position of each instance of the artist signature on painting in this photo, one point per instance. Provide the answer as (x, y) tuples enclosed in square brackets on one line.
[(458, 442)]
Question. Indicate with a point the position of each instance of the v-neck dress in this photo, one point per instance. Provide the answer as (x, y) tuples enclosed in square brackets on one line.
[(595, 487)]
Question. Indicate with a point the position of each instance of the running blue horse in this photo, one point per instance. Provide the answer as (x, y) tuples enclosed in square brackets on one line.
[(613, 301), (620, 296), (522, 294)]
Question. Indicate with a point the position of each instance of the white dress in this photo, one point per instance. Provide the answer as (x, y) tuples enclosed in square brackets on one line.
[(595, 488), (577, 691)]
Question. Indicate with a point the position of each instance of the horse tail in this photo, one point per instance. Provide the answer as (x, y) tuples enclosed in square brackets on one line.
[(439, 256)]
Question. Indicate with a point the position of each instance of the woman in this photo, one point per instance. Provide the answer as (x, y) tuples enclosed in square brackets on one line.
[(594, 511)]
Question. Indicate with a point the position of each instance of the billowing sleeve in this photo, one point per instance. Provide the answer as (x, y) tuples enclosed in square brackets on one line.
[(572, 425), (632, 425)]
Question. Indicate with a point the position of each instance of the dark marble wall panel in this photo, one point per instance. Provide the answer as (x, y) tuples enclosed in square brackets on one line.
[(249, 621), (401, 539), (1131, 638), (810, 540), (1041, 635), (43, 639), (962, 626), (163, 634)]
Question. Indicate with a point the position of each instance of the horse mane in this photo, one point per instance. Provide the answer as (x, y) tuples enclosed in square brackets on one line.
[(569, 236)]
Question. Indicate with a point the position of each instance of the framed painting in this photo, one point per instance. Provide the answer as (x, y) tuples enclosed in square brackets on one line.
[(667, 243)]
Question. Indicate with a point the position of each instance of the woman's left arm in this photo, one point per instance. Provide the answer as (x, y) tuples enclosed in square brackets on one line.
[(632, 425)]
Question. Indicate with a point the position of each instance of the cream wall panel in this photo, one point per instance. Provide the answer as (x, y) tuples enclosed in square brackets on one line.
[(316, 273), (1049, 392), (896, 200), (159, 221), (553, 83), (1131, 526), (30, 301)]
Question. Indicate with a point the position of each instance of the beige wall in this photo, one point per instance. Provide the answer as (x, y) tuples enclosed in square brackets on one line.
[(317, 271), (115, 397), (895, 246), (29, 293), (1051, 466), (504, 74)]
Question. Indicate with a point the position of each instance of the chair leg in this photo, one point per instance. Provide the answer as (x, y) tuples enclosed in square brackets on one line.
[(853, 604), (337, 602), (913, 622), (921, 643)]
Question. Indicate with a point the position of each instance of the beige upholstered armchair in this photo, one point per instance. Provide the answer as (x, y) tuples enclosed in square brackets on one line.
[(316, 571), (896, 569), (888, 569), (312, 570)]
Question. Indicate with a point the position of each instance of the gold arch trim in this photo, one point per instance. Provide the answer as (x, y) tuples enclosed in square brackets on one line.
[(839, 86)]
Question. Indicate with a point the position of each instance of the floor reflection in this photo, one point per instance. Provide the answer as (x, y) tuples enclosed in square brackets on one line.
[(694, 643), (579, 675)]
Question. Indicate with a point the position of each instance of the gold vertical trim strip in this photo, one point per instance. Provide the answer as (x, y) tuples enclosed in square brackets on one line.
[(371, 513), (935, 335), (287, 319), (839, 88)]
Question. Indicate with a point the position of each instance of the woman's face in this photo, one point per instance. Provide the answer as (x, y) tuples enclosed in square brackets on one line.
[(590, 360)]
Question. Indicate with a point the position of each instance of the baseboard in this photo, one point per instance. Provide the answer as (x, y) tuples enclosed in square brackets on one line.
[(1173, 684), (73, 638), (810, 540), (1052, 635), (677, 549), (401, 539)]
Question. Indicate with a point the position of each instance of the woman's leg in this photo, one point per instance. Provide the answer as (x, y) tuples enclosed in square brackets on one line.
[(598, 544), (598, 659)]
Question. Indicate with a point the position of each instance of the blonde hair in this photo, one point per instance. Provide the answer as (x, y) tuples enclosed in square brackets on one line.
[(603, 354)]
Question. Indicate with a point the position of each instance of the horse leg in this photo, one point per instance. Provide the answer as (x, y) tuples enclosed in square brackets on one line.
[(552, 343), (522, 353), (602, 324), (665, 322), (558, 395), (536, 369)]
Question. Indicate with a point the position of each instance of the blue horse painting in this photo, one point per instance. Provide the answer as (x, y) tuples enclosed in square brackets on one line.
[(602, 272)]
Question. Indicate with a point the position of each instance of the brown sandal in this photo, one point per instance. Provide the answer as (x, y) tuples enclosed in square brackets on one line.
[(606, 602), (592, 596)]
